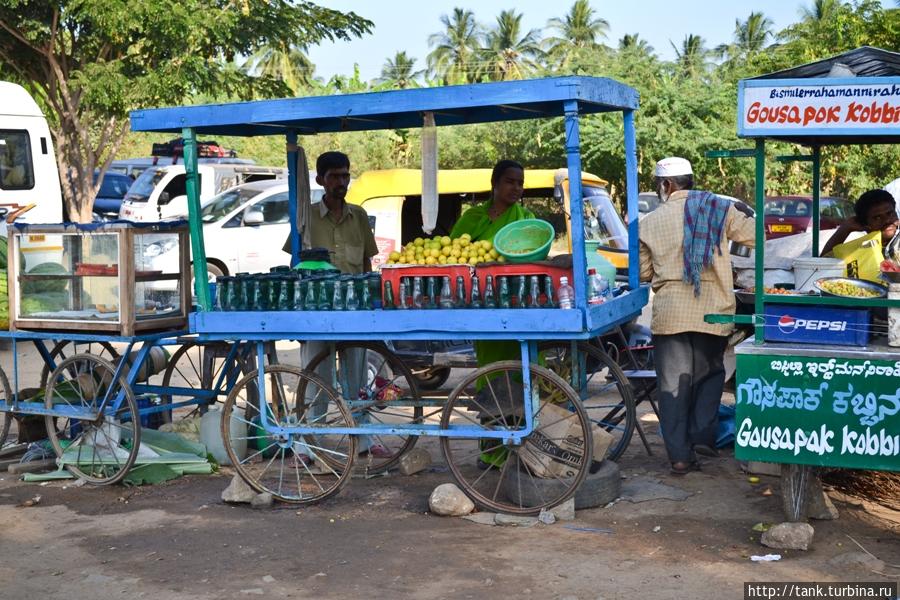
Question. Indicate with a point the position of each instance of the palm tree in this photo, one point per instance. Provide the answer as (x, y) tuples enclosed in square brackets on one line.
[(455, 49), (289, 64), (634, 43), (399, 72), (507, 54), (820, 10), (579, 28), (750, 36), (692, 56)]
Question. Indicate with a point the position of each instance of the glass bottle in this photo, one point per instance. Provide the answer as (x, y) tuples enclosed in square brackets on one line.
[(324, 301), (337, 299), (309, 302), (402, 292), (417, 300), (284, 293), (365, 302), (297, 300), (446, 298), (460, 292), (490, 298), (431, 294), (534, 293), (388, 303), (254, 294), (550, 302), (504, 292), (351, 301), (476, 293), (521, 298)]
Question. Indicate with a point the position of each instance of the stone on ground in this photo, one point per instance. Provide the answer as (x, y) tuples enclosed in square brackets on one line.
[(789, 536), (515, 520), (449, 501), (414, 461), (263, 500), (564, 511), (238, 492)]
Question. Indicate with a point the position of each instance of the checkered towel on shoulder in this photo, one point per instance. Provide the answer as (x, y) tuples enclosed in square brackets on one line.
[(704, 218)]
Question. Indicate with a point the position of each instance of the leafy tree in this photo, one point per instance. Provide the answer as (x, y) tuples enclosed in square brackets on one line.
[(634, 43), (692, 56), (456, 48), (399, 72), (507, 53), (290, 64), (89, 63), (750, 36), (579, 31)]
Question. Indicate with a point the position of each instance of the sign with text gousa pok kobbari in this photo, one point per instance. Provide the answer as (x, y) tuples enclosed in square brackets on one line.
[(834, 412)]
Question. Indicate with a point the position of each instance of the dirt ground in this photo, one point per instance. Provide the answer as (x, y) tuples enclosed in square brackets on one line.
[(376, 539)]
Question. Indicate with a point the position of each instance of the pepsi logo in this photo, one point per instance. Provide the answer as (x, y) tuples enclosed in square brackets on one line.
[(787, 324)]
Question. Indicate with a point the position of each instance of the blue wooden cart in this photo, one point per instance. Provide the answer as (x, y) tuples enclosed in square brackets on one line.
[(302, 430)]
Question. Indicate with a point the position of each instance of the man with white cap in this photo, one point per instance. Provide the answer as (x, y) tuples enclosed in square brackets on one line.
[(681, 251)]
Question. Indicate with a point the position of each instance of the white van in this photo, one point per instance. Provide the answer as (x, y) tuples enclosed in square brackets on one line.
[(161, 192), (28, 171)]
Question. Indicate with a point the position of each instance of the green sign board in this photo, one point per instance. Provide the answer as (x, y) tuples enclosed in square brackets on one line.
[(835, 412)]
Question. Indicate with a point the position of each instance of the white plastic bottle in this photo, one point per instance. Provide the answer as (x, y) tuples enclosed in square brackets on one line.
[(596, 287), (565, 294)]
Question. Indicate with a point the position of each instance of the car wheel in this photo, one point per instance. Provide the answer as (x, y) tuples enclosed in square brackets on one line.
[(432, 379)]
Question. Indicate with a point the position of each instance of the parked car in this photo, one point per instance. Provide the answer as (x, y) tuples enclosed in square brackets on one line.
[(647, 203), (112, 191), (789, 215), (244, 228), (133, 167)]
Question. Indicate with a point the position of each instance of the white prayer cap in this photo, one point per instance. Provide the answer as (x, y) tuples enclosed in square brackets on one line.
[(894, 189), (673, 166)]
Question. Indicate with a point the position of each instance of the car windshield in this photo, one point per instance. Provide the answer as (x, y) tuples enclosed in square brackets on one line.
[(788, 207), (226, 202), (143, 186), (603, 223), (114, 186)]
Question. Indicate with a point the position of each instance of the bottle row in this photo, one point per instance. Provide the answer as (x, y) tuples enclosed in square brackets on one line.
[(508, 292), (287, 290)]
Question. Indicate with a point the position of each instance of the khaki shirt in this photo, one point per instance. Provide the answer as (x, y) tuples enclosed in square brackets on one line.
[(675, 308), (349, 240)]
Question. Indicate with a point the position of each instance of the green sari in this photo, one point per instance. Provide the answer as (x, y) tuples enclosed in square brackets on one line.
[(479, 225)]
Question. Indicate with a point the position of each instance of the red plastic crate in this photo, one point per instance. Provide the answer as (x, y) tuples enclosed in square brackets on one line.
[(497, 270), (393, 273)]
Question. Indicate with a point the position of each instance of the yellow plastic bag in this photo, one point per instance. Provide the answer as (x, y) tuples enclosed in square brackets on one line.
[(862, 257)]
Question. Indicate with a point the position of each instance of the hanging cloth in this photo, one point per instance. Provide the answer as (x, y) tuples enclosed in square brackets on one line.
[(429, 174)]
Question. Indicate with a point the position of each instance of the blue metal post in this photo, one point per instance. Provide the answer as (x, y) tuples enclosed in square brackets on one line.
[(198, 250), (292, 153), (576, 203), (631, 194)]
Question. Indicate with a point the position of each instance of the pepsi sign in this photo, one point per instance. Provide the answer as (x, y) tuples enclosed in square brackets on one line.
[(788, 325), (816, 325)]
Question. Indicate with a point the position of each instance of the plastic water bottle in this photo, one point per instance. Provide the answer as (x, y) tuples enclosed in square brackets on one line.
[(565, 294), (595, 288)]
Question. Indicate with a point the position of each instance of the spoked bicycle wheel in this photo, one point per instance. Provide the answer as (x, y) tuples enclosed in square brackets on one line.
[(602, 386), (201, 367), (99, 449), (550, 463), (5, 417), (373, 381), (66, 348), (290, 466)]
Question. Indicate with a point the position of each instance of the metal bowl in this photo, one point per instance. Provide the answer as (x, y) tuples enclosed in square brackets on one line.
[(861, 283)]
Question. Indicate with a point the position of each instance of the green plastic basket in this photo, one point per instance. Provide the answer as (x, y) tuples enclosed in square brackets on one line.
[(523, 241)]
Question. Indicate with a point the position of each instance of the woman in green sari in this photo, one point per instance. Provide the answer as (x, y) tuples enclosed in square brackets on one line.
[(482, 222)]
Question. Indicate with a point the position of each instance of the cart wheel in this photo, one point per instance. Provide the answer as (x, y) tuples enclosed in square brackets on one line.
[(64, 349), (515, 478), (101, 449), (387, 379), (432, 379), (285, 465), (5, 417), (185, 369), (603, 388)]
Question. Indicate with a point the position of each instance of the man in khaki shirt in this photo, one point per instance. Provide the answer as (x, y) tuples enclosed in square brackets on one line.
[(689, 352), (344, 230)]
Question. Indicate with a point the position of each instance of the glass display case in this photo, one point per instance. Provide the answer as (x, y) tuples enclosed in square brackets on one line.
[(119, 278)]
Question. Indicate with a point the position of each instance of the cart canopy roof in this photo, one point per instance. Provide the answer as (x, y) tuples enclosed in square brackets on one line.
[(851, 98), (451, 105)]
